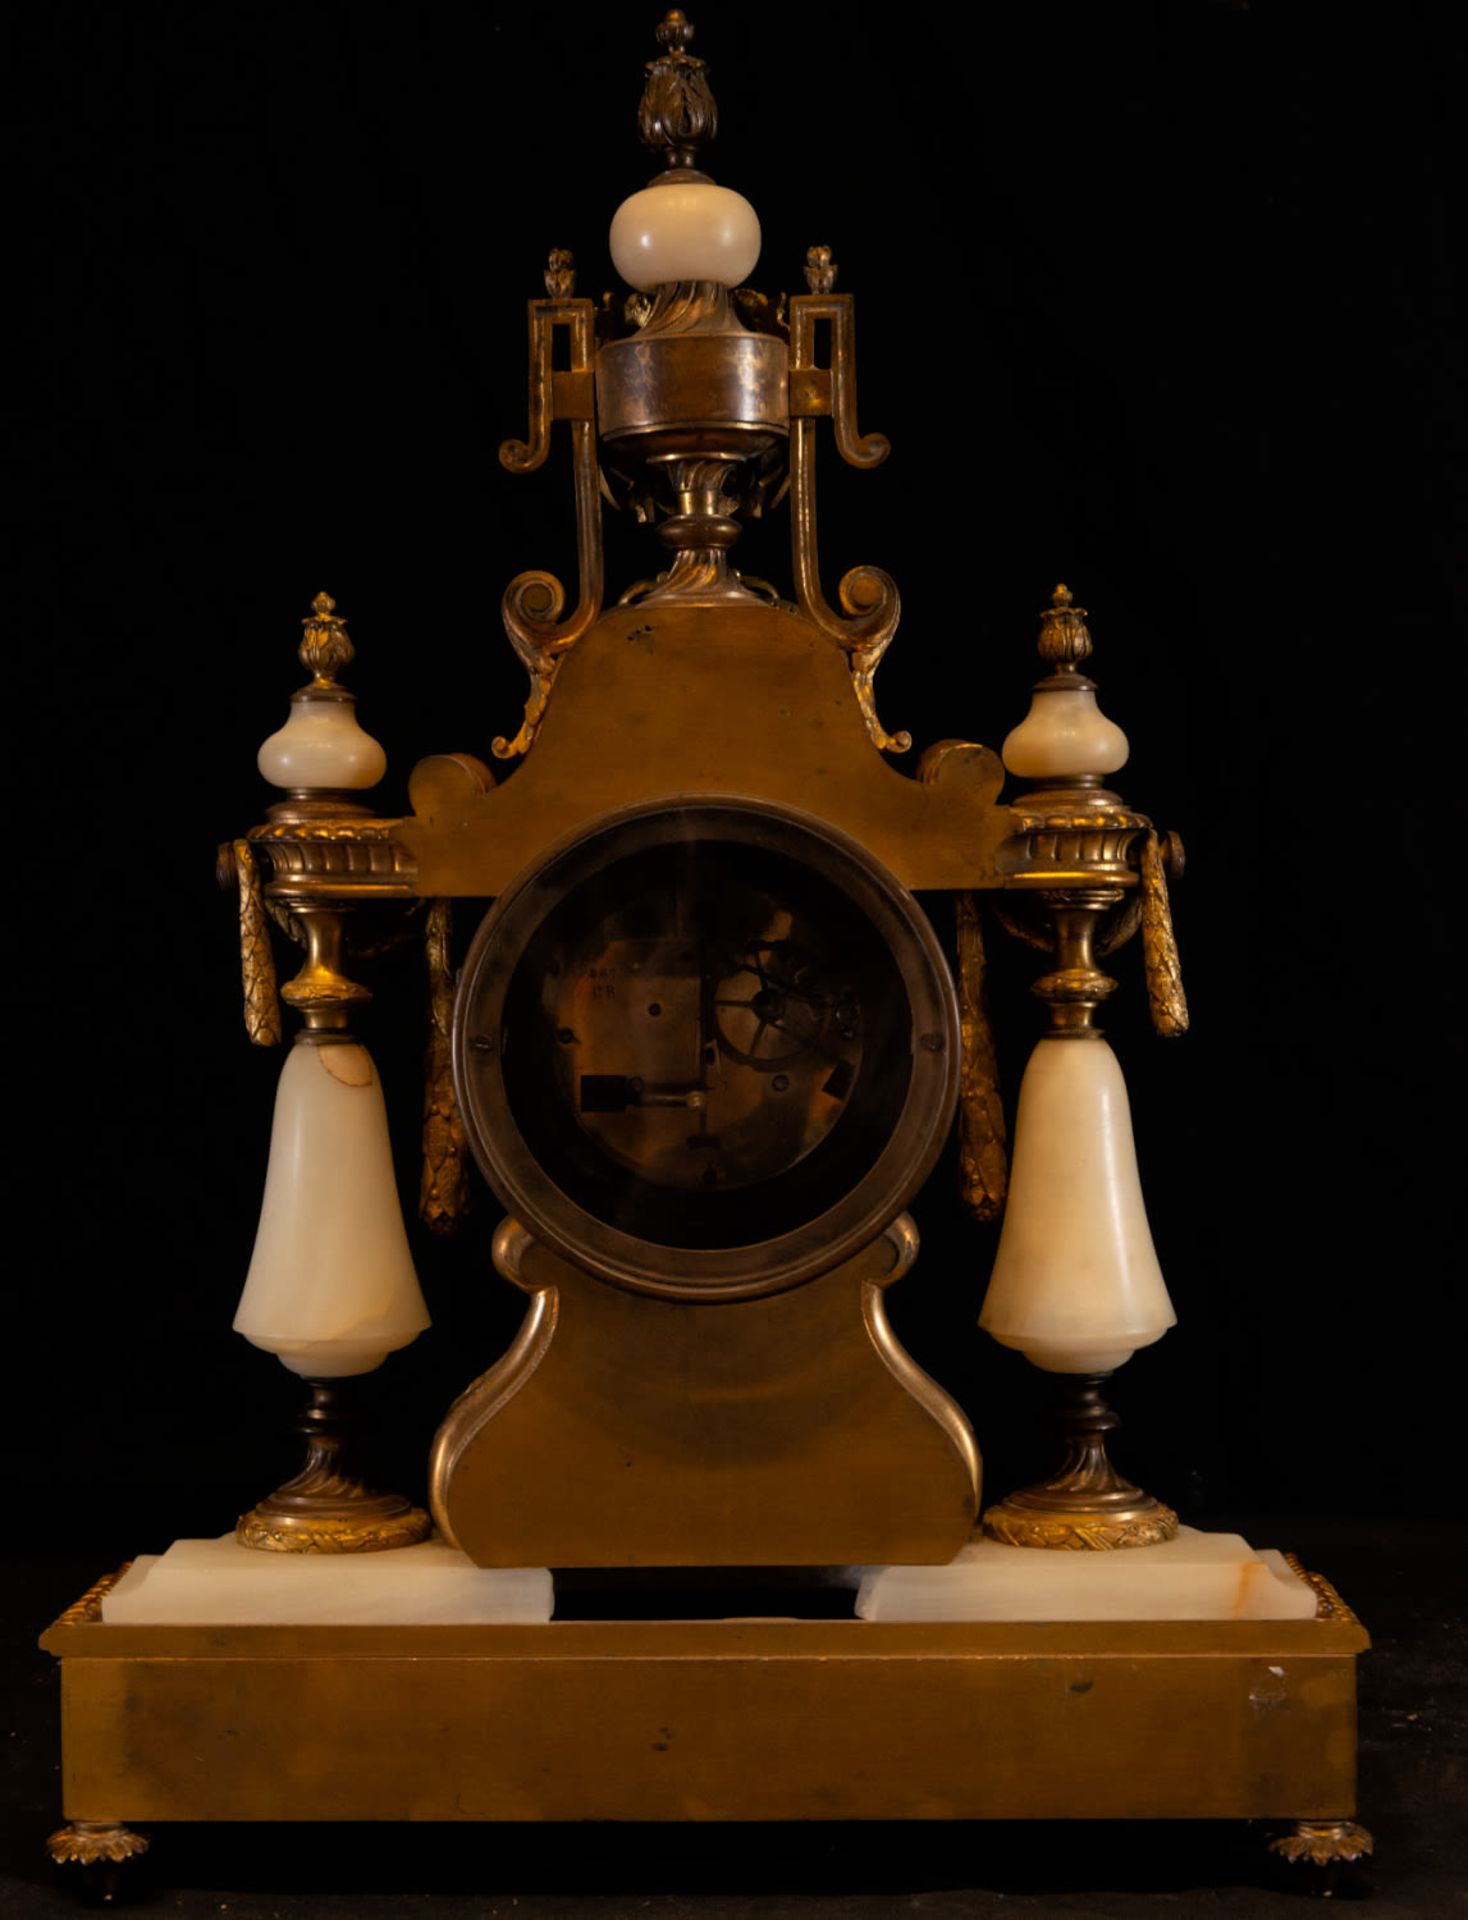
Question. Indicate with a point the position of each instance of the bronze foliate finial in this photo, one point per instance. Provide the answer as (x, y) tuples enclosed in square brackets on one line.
[(677, 115), (1064, 639), (820, 269), (326, 648), (560, 274)]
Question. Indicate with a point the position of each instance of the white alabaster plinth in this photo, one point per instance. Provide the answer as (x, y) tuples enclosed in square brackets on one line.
[(220, 1583), (1197, 1576)]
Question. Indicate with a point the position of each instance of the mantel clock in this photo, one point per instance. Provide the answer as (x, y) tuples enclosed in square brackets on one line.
[(705, 1049)]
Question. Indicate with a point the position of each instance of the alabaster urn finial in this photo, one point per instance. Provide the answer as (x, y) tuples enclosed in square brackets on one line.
[(1064, 736), (322, 746)]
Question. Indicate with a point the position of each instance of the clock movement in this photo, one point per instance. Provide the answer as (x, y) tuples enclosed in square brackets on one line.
[(703, 1050)]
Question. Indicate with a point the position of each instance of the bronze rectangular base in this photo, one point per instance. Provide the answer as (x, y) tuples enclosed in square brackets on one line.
[(710, 1720)]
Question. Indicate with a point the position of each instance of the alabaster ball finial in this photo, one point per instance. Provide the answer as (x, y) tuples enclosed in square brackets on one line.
[(685, 229), (682, 227)]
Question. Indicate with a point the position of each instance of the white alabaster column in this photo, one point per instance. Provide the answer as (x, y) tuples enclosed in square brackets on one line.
[(1076, 1286), (331, 1288)]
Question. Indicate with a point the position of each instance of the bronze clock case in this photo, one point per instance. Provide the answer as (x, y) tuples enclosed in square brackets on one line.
[(706, 1049)]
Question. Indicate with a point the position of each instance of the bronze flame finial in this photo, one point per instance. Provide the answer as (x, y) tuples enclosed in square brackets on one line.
[(560, 275), (677, 115), (820, 269), (676, 31), (326, 648), (1064, 639)]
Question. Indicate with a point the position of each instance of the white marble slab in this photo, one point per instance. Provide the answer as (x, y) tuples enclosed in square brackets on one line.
[(1197, 1576), (220, 1583)]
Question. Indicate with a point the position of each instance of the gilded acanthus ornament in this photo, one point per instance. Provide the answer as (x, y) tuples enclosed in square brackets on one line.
[(1065, 639), (982, 1161), (820, 269), (1081, 1532), (560, 275), (90, 1843), (1324, 1843), (326, 647), (1165, 997), (677, 114), (257, 961), (443, 1197)]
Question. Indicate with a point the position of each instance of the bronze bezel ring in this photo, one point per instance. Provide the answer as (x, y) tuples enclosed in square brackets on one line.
[(813, 1246)]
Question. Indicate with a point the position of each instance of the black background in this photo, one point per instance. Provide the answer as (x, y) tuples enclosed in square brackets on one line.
[(1157, 300)]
